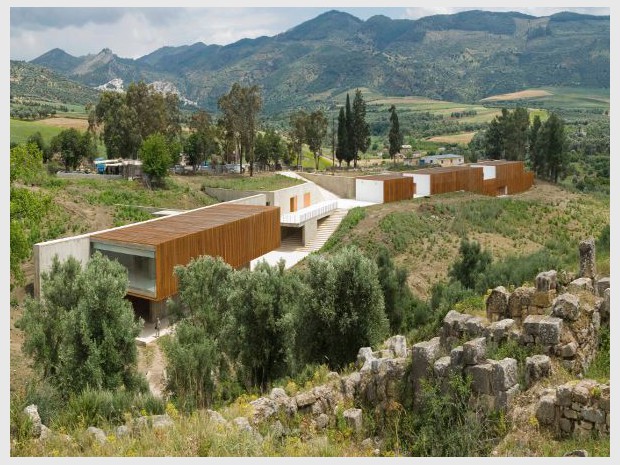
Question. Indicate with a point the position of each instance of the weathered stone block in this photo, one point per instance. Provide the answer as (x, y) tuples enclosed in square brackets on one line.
[(582, 391), (549, 330), (546, 410), (505, 375), (398, 345), (519, 302), (580, 285), (541, 300), (353, 418), (601, 285), (32, 412), (569, 350), (442, 366), (593, 415), (97, 434), (263, 409), (499, 330), (497, 303), (423, 355), (216, 417), (566, 306), (349, 384), (503, 399), (456, 356), (322, 421), (537, 367), (475, 326), (531, 325), (475, 351), (546, 281), (587, 258), (566, 425), (480, 377), (305, 399), (364, 358), (570, 413)]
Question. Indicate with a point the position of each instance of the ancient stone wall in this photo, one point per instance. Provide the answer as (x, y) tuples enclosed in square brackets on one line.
[(578, 408)]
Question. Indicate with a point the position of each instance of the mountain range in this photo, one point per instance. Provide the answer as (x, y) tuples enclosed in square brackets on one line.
[(462, 57)]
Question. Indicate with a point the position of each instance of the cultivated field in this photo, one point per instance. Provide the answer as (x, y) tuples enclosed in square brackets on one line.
[(529, 93)]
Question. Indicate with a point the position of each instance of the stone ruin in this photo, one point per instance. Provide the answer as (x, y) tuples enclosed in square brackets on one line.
[(576, 408), (560, 317)]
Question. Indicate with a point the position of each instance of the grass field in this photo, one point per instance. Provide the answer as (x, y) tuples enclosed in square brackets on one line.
[(569, 98), (258, 182), (21, 130), (463, 138)]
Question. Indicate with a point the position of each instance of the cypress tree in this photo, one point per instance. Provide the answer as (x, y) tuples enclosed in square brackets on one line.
[(350, 141), (341, 148), (395, 137), (361, 130)]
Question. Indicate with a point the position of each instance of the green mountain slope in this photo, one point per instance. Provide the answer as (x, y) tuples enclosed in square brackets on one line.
[(462, 57), (36, 83)]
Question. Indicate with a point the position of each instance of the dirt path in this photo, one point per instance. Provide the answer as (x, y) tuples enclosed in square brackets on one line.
[(152, 364)]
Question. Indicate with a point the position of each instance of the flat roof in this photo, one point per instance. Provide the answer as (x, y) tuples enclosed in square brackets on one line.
[(441, 169), (443, 156), (176, 226), (496, 162), (381, 177)]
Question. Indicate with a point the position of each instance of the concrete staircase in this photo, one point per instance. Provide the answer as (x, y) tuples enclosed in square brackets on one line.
[(325, 230)]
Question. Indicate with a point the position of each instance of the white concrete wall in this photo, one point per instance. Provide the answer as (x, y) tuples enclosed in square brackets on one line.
[(282, 198), (488, 172), (422, 183), (369, 190), (44, 252)]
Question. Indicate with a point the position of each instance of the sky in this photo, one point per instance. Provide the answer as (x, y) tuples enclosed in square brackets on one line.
[(132, 32)]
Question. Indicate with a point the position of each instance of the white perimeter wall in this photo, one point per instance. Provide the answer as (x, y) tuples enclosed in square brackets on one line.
[(368, 190), (422, 183), (79, 246), (282, 198), (488, 172)]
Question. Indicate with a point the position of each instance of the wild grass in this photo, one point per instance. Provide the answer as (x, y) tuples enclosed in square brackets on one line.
[(258, 182)]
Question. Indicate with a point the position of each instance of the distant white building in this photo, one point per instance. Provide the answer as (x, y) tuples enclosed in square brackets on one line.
[(446, 159)]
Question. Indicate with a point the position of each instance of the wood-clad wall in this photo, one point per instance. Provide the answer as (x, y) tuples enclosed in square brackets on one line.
[(456, 180), (237, 242), (395, 189), (512, 176)]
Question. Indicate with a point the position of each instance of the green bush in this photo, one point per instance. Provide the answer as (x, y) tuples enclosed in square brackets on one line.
[(94, 407)]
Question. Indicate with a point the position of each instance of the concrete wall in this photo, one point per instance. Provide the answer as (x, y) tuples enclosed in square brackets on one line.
[(422, 184), (43, 253), (369, 190), (309, 230), (342, 186), (280, 198), (488, 172)]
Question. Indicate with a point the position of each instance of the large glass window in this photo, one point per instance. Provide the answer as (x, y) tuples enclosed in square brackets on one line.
[(140, 264)]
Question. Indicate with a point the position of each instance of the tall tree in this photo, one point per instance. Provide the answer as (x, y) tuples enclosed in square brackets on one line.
[(316, 129), (536, 161), (297, 123), (341, 148), (156, 158), (395, 136), (73, 147), (201, 143), (348, 115), (516, 134), (552, 145), (129, 118), (361, 129), (241, 107)]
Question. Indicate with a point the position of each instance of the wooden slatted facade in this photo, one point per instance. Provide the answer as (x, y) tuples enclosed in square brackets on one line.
[(237, 233), (510, 178), (395, 186)]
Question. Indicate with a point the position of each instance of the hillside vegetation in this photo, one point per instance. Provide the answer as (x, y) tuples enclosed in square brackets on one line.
[(536, 230)]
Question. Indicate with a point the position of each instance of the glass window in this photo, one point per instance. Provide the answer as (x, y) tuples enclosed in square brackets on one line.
[(140, 264)]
